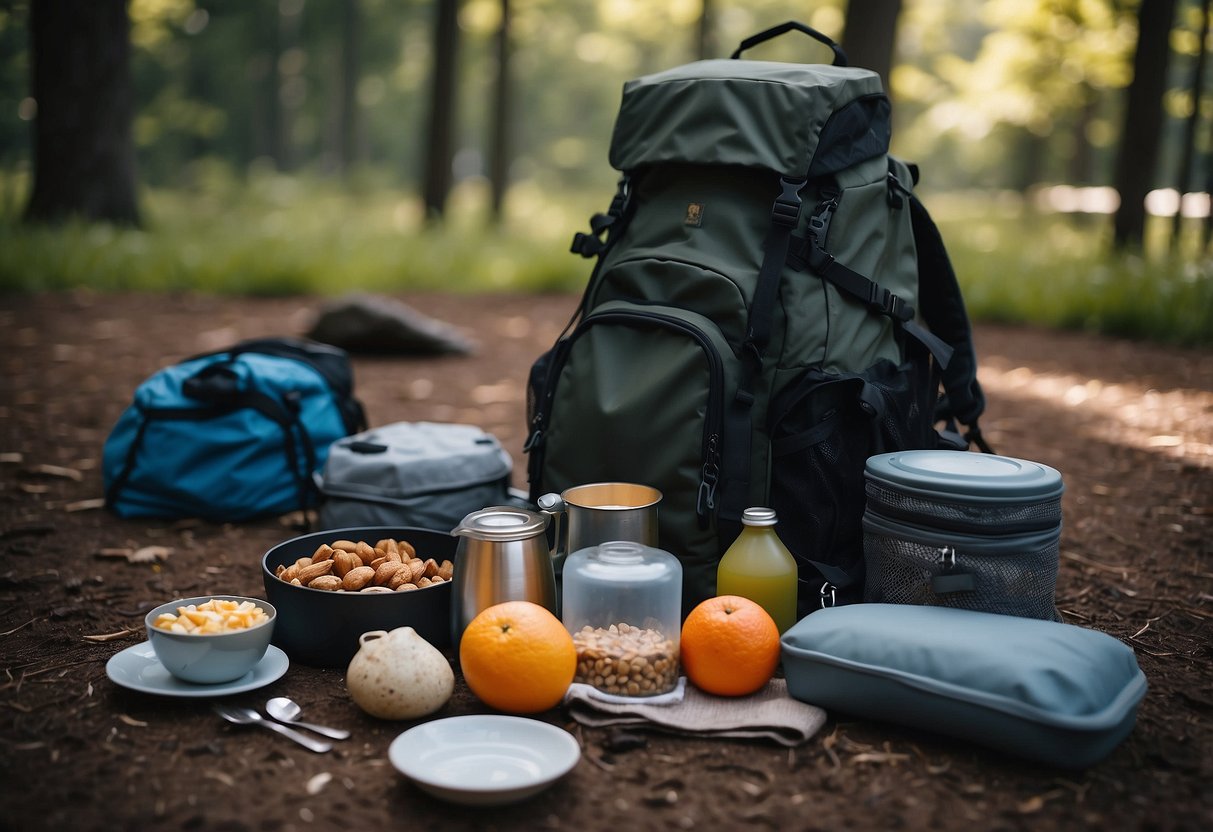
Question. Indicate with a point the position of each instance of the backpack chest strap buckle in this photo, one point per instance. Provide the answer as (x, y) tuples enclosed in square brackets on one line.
[(786, 210)]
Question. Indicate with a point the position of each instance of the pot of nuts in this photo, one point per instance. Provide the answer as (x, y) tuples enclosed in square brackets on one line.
[(332, 586), (622, 605)]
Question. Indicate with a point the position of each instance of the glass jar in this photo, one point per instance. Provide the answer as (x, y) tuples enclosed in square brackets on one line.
[(622, 603)]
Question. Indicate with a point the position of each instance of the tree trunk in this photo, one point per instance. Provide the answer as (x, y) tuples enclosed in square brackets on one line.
[(869, 35), (1184, 176), (1142, 133), (440, 127), (1082, 160), (351, 49), (705, 43), (84, 152), (499, 150)]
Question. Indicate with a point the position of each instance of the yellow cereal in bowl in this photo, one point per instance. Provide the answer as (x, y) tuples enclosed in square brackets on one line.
[(214, 616)]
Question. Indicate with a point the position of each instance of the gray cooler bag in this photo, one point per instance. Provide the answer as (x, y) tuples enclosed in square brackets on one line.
[(421, 474), (953, 529)]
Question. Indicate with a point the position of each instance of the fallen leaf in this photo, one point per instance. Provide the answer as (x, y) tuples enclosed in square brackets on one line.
[(103, 637), (225, 779), (85, 505), (317, 783), (1031, 805), (147, 554), (131, 721)]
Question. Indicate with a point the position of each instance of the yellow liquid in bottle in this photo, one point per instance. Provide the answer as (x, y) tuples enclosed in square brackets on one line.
[(759, 567)]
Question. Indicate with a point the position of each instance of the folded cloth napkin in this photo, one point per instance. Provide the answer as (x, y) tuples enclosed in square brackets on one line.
[(769, 714)]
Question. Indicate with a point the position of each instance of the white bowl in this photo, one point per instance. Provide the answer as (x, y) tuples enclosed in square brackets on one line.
[(484, 759)]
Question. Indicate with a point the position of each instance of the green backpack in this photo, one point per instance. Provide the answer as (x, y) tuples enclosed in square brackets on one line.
[(770, 306)]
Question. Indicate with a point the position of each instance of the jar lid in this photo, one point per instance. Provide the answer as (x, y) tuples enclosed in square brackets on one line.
[(622, 561), (502, 523), (759, 516), (961, 474)]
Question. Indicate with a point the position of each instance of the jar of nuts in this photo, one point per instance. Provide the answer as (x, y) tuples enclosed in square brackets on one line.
[(622, 604)]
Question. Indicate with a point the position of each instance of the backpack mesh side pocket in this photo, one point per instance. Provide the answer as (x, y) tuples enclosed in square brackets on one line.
[(824, 426)]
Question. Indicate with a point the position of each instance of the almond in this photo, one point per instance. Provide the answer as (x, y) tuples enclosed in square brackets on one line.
[(407, 587), (323, 553), (357, 578), (407, 550), (430, 568), (402, 576), (447, 570), (417, 569), (313, 571), (345, 545), (326, 582), (343, 562), (383, 575)]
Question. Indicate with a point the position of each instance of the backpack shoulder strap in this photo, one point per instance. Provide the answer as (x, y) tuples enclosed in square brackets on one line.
[(943, 310)]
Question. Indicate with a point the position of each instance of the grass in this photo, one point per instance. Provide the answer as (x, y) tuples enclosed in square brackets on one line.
[(277, 235), (1057, 271)]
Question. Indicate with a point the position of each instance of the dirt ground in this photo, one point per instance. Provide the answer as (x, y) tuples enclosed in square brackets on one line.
[(1129, 426)]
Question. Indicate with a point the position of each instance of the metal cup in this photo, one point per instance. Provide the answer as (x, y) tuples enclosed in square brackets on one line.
[(502, 556), (601, 512)]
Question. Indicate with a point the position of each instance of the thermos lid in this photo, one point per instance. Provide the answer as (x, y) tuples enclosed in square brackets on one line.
[(973, 476), (502, 523)]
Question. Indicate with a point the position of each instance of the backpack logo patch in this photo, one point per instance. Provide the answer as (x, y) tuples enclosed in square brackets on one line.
[(694, 215)]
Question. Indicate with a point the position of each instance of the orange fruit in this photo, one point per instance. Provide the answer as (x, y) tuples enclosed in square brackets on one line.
[(517, 657), (730, 646)]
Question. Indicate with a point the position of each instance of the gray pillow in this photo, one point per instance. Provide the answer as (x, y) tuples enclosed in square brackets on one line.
[(1043, 690)]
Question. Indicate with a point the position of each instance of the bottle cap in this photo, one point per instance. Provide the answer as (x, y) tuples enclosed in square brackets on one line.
[(758, 516)]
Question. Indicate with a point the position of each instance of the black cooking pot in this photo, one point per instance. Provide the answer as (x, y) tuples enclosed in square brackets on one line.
[(322, 628)]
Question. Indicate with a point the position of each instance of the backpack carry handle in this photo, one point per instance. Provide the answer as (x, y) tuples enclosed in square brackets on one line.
[(840, 57)]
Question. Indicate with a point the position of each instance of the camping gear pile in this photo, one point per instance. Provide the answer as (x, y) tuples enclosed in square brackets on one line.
[(771, 321)]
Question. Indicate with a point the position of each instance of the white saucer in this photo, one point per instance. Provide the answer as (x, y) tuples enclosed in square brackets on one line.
[(138, 668), (484, 760)]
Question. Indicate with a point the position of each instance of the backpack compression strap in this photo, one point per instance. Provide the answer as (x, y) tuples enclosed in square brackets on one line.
[(735, 464), (944, 311), (871, 294)]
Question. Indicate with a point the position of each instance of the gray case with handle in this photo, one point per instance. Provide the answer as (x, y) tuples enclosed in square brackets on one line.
[(423, 474)]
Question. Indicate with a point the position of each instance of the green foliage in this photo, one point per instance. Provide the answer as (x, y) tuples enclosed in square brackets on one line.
[(282, 235), (1017, 265)]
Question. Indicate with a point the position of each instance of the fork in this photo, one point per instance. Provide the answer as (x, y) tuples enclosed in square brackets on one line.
[(248, 716)]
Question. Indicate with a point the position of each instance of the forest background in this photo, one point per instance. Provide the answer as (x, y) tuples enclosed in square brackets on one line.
[(323, 146)]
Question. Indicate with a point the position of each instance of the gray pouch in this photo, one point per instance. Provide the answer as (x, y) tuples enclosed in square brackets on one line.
[(421, 474), (1047, 691)]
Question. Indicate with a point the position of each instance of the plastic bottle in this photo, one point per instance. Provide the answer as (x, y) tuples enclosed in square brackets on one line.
[(759, 567)]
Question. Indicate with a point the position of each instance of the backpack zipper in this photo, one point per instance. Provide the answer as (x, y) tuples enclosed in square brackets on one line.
[(709, 473)]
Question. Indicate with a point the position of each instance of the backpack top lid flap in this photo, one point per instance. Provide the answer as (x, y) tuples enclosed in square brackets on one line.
[(795, 119)]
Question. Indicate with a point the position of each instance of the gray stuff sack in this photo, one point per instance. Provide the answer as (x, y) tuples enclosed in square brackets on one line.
[(420, 474)]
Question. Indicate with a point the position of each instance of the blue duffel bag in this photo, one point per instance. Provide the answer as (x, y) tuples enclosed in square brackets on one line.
[(231, 434)]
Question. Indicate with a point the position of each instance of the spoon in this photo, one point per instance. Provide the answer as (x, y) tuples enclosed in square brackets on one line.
[(287, 710), (247, 716)]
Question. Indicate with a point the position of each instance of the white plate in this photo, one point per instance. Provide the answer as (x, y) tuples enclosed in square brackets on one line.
[(138, 668), (484, 760)]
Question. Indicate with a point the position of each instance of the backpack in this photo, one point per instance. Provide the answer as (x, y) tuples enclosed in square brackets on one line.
[(770, 305), (231, 434)]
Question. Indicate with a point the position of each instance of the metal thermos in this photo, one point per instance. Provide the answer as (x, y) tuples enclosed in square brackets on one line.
[(502, 556)]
